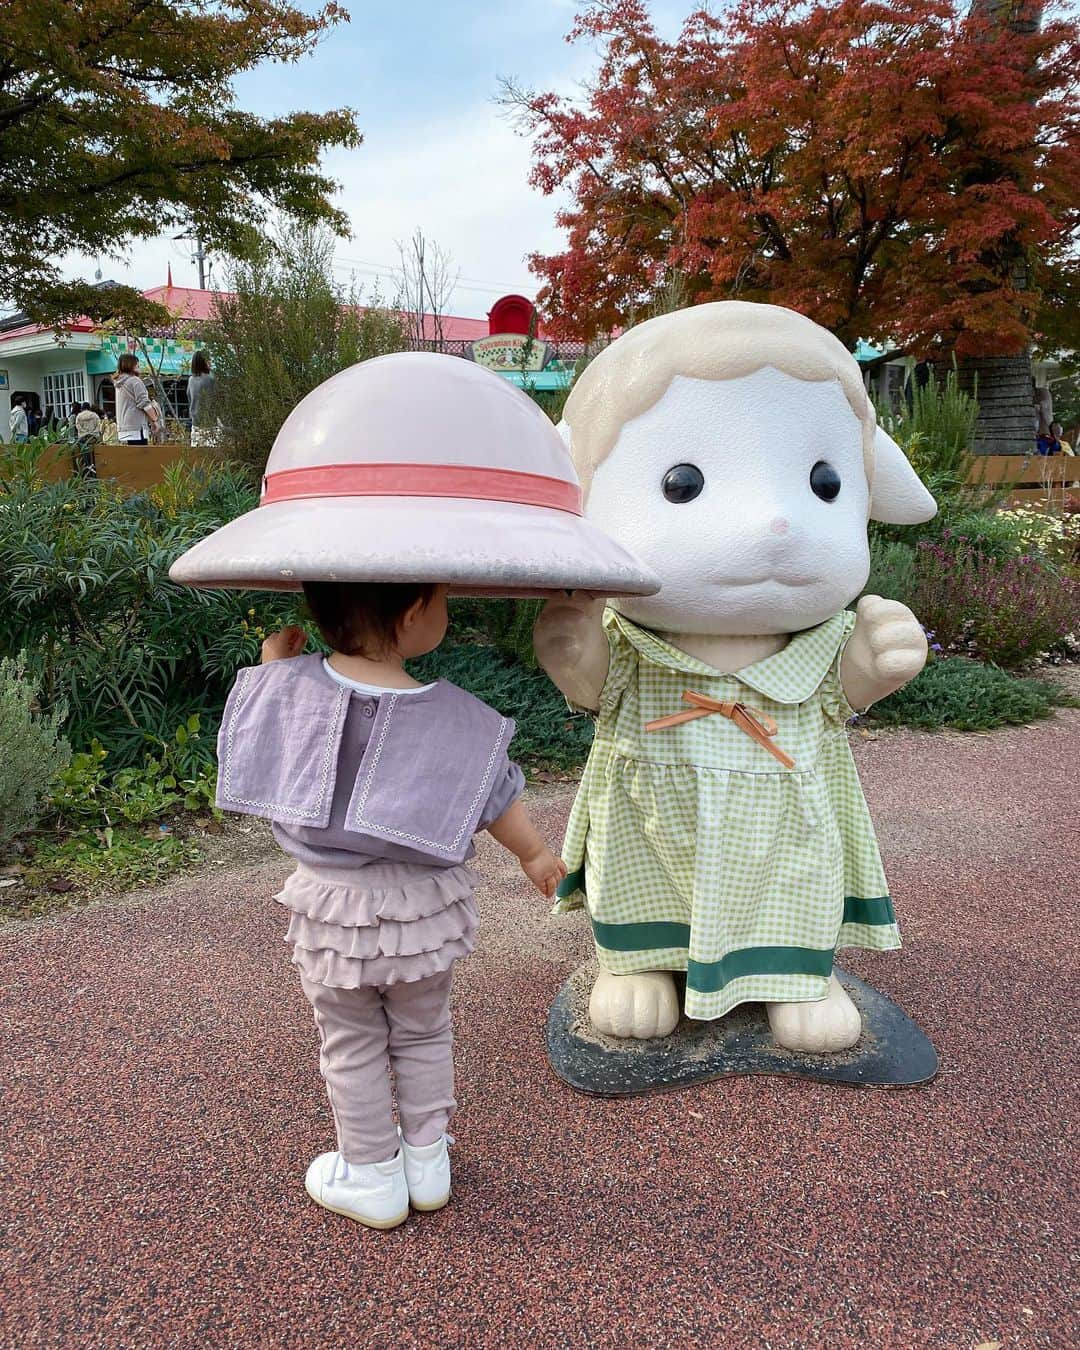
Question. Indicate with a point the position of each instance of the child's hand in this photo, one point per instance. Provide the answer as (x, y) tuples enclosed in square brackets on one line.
[(284, 643), (544, 870)]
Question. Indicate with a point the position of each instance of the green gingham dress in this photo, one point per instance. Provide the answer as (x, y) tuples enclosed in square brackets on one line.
[(694, 849)]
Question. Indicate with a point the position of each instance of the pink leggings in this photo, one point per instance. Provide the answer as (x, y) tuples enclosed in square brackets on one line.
[(407, 1024)]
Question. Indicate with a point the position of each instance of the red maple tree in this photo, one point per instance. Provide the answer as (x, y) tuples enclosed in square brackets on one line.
[(902, 169)]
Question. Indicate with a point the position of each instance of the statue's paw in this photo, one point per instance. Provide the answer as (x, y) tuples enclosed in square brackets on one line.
[(562, 628), (828, 1024), (641, 1006)]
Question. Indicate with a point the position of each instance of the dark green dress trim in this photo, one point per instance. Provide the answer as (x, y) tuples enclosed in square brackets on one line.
[(575, 881), (640, 937), (869, 911), (874, 912), (708, 976)]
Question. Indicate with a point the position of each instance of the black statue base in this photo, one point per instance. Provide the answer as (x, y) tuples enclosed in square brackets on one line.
[(891, 1052)]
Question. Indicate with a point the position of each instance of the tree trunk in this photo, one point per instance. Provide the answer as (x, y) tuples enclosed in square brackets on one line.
[(1003, 384)]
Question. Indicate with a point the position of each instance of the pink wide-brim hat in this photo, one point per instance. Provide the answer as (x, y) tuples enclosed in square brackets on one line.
[(418, 467)]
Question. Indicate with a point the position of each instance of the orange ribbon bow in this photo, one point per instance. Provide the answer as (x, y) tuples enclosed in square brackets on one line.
[(756, 725)]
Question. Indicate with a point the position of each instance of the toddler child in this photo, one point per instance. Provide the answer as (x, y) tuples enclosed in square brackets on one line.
[(375, 785)]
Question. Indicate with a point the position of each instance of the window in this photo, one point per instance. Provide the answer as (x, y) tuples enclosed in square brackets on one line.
[(63, 388), (176, 393)]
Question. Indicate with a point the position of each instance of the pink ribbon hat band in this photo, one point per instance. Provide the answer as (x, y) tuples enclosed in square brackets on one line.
[(422, 480)]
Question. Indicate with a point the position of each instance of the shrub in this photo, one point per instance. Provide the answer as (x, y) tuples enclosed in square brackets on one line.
[(84, 591), (505, 625), (87, 794), (1018, 531), (33, 461), (965, 696), (548, 734), (892, 570), (31, 751), (116, 859), (1006, 611), (286, 326), (935, 429)]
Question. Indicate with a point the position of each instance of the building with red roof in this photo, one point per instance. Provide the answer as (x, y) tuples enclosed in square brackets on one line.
[(58, 371)]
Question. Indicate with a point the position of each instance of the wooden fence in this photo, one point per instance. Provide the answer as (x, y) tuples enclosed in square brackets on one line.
[(135, 467), (1032, 480), (1042, 481)]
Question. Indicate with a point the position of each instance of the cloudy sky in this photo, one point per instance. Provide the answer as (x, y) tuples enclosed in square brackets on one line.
[(438, 154)]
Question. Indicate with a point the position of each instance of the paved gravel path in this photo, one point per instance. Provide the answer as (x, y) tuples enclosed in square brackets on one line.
[(161, 1101)]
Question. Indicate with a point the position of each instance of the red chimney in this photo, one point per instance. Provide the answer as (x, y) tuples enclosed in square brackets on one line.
[(511, 314)]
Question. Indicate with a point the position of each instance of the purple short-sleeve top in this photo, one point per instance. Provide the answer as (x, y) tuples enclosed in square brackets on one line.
[(349, 774)]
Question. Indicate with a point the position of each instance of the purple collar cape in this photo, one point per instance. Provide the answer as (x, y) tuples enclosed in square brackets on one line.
[(423, 782)]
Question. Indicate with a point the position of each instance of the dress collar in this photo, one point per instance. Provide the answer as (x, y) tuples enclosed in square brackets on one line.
[(788, 676)]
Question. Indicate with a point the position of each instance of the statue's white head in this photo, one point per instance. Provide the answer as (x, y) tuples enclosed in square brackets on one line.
[(733, 449)]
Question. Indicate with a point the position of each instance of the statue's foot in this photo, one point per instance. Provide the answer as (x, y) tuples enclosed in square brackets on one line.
[(640, 1005), (827, 1024)]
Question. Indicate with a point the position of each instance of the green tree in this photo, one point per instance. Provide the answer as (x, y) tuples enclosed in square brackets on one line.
[(118, 121), (285, 325)]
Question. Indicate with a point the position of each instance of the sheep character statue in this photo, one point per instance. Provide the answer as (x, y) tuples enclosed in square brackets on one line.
[(720, 828)]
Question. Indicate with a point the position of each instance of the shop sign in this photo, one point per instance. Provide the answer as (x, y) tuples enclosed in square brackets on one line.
[(509, 351)]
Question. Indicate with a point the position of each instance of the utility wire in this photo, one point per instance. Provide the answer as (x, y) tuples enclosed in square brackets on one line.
[(465, 283)]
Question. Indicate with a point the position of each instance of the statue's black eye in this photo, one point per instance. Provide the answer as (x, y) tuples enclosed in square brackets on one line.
[(683, 483), (824, 481)]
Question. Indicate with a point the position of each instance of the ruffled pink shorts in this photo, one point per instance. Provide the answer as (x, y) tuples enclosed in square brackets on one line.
[(386, 923)]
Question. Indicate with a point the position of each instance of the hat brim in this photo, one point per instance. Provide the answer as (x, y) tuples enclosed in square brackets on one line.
[(490, 548)]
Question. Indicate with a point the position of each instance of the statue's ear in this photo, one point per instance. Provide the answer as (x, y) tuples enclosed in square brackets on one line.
[(897, 495)]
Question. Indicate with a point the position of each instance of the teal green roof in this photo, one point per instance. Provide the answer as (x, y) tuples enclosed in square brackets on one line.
[(865, 352), (543, 381)]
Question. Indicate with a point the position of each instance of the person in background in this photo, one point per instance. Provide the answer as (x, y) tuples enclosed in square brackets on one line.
[(87, 426), (153, 409), (86, 433), (18, 423), (200, 388), (1046, 443), (33, 420), (134, 418), (1057, 431)]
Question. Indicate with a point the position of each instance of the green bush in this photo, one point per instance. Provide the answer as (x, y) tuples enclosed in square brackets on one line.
[(966, 696), (117, 859), (1017, 532), (505, 625), (87, 794), (892, 570), (552, 401), (84, 591), (548, 734), (31, 751), (936, 432)]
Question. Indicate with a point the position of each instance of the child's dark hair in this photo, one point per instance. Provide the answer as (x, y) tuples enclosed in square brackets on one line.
[(359, 618)]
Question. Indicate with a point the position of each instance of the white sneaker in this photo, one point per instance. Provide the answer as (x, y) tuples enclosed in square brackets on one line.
[(427, 1172), (374, 1194)]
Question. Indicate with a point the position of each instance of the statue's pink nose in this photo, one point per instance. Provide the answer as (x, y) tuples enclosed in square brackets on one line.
[(779, 525)]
